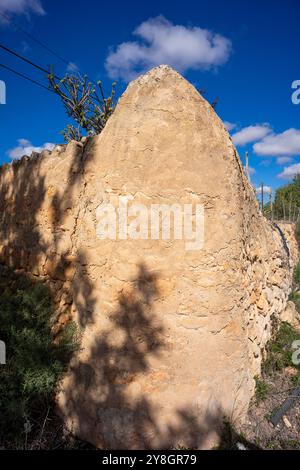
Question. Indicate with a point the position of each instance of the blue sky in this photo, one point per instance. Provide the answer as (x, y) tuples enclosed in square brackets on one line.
[(244, 52)]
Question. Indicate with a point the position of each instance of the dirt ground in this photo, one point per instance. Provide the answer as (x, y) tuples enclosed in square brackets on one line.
[(259, 431)]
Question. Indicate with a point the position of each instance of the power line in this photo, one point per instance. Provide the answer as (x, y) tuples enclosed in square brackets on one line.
[(24, 59), (33, 64), (37, 41), (25, 77), (10, 51)]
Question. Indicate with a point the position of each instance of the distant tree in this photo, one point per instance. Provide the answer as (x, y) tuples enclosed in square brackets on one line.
[(267, 210), (84, 102), (287, 199)]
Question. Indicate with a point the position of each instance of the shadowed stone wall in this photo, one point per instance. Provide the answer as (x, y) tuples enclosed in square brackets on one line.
[(171, 338)]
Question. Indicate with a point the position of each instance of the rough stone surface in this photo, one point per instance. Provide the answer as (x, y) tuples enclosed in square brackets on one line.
[(171, 339), (291, 316), (288, 229)]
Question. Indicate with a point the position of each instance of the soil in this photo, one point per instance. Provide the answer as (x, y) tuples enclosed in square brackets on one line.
[(259, 430)]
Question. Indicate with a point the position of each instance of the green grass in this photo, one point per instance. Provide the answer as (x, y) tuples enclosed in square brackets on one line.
[(290, 444), (261, 389), (271, 445)]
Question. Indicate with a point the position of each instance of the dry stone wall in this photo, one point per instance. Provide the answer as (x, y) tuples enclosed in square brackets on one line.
[(171, 338)]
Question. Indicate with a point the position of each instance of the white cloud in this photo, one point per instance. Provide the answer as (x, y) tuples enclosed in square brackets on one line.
[(283, 160), (251, 134), (26, 148), (286, 144), (20, 7), (267, 189), (290, 171), (161, 42), (229, 125)]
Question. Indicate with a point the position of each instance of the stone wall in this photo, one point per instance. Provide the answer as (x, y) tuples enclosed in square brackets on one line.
[(171, 339)]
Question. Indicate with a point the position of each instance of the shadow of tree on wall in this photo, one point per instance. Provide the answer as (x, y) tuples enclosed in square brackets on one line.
[(21, 195), (23, 244), (103, 401), (71, 264), (98, 400)]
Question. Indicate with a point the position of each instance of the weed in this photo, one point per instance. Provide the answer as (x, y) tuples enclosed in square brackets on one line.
[(261, 389)]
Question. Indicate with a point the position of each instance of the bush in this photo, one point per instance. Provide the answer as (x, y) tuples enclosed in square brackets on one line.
[(279, 350), (35, 361), (297, 233), (297, 275)]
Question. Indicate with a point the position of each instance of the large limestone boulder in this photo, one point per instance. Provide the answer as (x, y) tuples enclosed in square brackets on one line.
[(171, 336)]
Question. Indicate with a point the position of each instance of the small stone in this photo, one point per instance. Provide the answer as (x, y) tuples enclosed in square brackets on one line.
[(291, 316), (286, 422), (291, 371), (240, 446)]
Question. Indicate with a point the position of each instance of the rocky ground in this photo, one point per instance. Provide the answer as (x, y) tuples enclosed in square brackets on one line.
[(279, 379), (260, 431)]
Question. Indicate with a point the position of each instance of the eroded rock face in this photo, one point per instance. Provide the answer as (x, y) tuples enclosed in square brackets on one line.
[(171, 338), (291, 316)]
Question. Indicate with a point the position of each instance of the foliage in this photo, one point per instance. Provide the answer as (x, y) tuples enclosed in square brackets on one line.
[(35, 361), (295, 298), (267, 210), (279, 350), (295, 295), (297, 232), (287, 200), (297, 274), (261, 389), (84, 102)]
